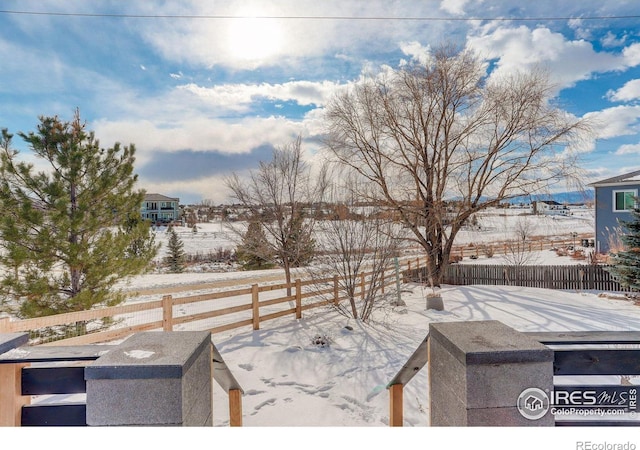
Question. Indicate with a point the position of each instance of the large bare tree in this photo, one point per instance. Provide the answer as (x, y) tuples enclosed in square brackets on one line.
[(439, 142), (280, 195)]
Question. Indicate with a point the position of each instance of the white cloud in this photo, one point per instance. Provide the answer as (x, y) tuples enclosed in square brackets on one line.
[(632, 55), (615, 122), (454, 6), (198, 134), (629, 149), (521, 48), (240, 97), (630, 91), (579, 28), (211, 188), (611, 40), (416, 51)]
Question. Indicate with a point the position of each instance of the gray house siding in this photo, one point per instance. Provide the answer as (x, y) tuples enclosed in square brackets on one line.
[(608, 220), (614, 196)]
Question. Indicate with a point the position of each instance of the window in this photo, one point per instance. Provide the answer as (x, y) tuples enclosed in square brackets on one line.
[(624, 200)]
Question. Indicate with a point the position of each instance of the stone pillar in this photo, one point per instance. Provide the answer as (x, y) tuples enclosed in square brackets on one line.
[(153, 378), (478, 371)]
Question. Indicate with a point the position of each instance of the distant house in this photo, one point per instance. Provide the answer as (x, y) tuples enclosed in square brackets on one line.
[(159, 208), (614, 198), (550, 207)]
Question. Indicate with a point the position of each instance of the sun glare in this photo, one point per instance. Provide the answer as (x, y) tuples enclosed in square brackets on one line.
[(254, 39)]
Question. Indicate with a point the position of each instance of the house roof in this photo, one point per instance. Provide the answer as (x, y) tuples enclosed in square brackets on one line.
[(159, 198), (626, 178), (549, 202)]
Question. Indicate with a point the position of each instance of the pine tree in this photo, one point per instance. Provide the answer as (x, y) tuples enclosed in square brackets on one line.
[(175, 257), (251, 253), (67, 233), (626, 264), (301, 243)]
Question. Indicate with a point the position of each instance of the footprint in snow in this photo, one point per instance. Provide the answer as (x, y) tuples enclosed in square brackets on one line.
[(271, 402), (254, 392)]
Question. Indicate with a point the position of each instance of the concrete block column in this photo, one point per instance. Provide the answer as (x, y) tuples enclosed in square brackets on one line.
[(153, 379), (478, 371)]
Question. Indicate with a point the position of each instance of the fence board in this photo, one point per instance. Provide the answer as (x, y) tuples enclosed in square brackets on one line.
[(597, 362), (53, 380), (79, 316), (212, 296), (106, 336), (576, 277), (585, 337), (210, 314), (55, 415)]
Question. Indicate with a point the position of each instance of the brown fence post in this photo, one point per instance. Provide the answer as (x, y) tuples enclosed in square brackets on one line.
[(298, 299), (167, 313), (396, 417), (256, 307), (235, 407), (336, 291), (362, 285), (382, 277), (4, 324), (11, 398)]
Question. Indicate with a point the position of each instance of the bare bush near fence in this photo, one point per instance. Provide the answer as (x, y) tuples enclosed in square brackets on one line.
[(352, 247), (517, 252)]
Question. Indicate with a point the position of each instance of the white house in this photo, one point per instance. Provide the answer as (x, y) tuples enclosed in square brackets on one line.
[(159, 208)]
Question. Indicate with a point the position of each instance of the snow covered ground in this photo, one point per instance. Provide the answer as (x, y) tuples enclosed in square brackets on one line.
[(290, 381), (336, 394), (294, 388)]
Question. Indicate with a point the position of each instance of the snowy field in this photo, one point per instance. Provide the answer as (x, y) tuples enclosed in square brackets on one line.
[(495, 225)]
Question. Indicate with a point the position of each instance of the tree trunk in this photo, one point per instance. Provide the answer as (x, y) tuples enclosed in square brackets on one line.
[(287, 275)]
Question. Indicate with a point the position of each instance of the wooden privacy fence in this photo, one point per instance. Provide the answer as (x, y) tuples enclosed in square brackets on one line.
[(536, 243), (579, 277), (215, 312)]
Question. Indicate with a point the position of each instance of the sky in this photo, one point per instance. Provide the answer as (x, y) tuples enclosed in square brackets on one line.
[(207, 88)]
